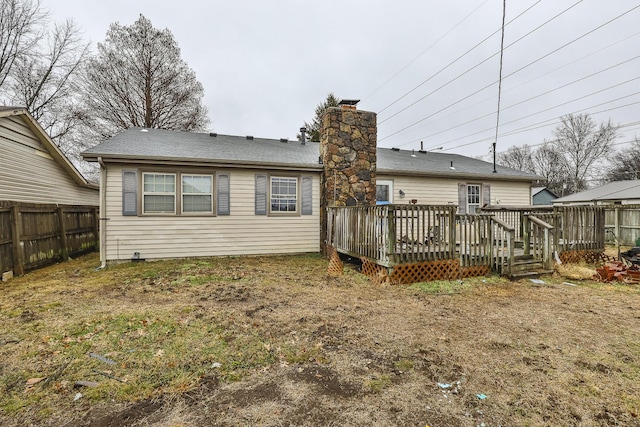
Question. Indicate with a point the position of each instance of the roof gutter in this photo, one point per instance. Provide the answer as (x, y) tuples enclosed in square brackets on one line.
[(447, 175), (203, 162)]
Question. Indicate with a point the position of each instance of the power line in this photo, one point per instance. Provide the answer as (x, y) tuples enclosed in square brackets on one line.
[(458, 58), (539, 125), (512, 73), (529, 99), (472, 68), (458, 112), (426, 50)]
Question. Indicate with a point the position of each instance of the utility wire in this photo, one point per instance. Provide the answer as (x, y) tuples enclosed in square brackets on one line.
[(458, 112), (511, 74), (534, 97), (457, 59), (425, 51), (535, 126), (472, 68), (542, 124)]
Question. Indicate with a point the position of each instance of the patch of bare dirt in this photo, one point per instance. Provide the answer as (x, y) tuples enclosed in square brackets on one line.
[(501, 353)]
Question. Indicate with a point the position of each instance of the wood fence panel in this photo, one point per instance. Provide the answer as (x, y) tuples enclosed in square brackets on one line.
[(32, 235), (622, 223)]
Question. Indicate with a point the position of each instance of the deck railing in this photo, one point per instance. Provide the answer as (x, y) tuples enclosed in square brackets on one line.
[(398, 234), (539, 239), (513, 215), (503, 239)]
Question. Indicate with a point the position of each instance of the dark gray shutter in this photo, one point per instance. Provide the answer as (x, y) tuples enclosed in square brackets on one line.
[(462, 198), (307, 195), (261, 194), (129, 193), (224, 197), (486, 195)]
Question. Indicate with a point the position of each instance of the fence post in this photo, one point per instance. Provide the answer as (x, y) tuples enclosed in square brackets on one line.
[(16, 228), (64, 248)]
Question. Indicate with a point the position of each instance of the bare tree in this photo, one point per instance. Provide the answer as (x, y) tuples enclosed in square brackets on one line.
[(20, 31), (517, 157), (138, 79), (626, 165), (313, 128), (551, 164), (583, 144), (44, 83), (38, 67)]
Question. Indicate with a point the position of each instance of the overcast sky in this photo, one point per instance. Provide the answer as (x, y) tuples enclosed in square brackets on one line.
[(265, 65)]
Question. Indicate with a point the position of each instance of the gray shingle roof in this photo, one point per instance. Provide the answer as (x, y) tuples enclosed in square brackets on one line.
[(163, 145), (166, 145), (433, 163), (618, 190)]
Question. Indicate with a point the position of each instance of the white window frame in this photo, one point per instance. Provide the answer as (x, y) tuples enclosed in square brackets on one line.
[(284, 197), (210, 194), (474, 205), (388, 183), (154, 193)]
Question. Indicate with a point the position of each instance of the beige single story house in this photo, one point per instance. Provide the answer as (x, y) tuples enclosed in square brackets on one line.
[(32, 167), (167, 194)]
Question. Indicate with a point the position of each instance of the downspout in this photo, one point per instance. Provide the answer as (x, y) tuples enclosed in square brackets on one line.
[(102, 216)]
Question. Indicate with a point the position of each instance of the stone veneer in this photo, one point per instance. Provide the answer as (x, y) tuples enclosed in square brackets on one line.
[(348, 152)]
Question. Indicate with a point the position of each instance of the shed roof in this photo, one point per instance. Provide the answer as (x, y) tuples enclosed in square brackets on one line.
[(618, 190), (165, 146)]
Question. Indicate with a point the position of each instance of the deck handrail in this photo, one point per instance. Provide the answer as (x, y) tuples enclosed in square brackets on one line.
[(539, 240), (503, 245)]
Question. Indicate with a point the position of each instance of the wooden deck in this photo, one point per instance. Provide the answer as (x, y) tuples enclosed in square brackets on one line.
[(391, 235)]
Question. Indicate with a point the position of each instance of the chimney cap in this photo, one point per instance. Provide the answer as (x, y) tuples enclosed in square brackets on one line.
[(350, 102)]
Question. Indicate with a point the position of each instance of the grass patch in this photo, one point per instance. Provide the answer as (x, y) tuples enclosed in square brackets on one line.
[(378, 384), (448, 287)]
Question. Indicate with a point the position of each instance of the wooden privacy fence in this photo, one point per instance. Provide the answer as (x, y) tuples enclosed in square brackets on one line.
[(33, 235), (622, 224)]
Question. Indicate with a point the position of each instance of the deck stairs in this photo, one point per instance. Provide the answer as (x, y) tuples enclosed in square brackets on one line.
[(526, 267)]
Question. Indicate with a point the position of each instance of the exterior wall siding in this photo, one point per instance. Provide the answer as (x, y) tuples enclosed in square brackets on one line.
[(240, 233), (438, 191), (29, 174)]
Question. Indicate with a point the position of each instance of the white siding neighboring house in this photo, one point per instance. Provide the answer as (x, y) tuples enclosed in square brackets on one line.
[(32, 167), (168, 194), (617, 192)]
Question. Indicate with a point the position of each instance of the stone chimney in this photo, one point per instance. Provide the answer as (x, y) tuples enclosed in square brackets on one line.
[(348, 150), (348, 139)]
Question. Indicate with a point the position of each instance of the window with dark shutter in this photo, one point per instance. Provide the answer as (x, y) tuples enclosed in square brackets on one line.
[(307, 195), (224, 199), (261, 195), (129, 193)]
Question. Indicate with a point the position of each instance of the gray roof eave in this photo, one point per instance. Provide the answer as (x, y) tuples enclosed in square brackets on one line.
[(182, 161), (457, 174)]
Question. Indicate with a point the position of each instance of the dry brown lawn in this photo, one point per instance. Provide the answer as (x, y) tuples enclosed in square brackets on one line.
[(273, 341)]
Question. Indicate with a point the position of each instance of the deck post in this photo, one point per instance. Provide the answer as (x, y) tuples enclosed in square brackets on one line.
[(526, 234), (391, 239)]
